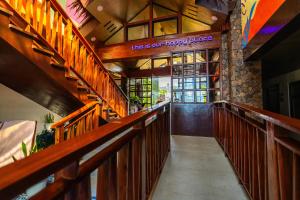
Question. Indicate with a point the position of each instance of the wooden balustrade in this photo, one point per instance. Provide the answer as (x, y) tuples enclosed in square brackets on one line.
[(53, 26), (128, 153), (263, 147), (79, 122)]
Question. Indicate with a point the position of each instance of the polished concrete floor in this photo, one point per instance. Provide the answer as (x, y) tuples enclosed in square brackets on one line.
[(197, 169)]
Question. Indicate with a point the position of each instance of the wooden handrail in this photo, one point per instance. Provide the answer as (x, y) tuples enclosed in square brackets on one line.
[(289, 123), (60, 35), (18, 176), (74, 114), (263, 147)]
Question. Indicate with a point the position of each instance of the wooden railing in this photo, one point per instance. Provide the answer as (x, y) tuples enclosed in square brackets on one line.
[(263, 147), (128, 153), (79, 122), (52, 25)]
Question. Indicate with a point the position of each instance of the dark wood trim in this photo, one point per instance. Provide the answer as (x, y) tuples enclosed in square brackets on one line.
[(163, 71), (119, 52)]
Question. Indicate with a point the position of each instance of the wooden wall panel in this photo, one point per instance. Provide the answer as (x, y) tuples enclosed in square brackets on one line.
[(191, 119), (118, 52)]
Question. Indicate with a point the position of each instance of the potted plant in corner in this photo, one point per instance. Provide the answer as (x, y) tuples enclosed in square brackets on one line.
[(134, 104), (49, 120), (46, 137)]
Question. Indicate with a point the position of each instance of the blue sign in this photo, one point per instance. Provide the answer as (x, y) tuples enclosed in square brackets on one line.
[(173, 43)]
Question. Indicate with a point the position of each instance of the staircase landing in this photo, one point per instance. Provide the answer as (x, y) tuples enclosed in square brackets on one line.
[(197, 169)]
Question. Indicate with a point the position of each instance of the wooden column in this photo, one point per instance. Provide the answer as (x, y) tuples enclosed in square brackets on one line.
[(272, 130)]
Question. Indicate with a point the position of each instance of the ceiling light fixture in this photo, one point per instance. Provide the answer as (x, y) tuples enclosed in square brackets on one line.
[(93, 39), (99, 8), (214, 18)]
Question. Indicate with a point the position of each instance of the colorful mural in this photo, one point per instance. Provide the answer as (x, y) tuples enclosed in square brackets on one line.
[(255, 13)]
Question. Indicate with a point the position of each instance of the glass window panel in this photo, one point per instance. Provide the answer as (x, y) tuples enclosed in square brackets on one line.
[(144, 64), (188, 57), (201, 96), (138, 32), (132, 88), (201, 68), (214, 68), (213, 55), (132, 94), (177, 97), (132, 81), (177, 70), (177, 58), (214, 95), (157, 63), (159, 11), (189, 83), (189, 25), (167, 27), (214, 82), (188, 70), (201, 83), (118, 37), (144, 15), (177, 83), (201, 56), (189, 97), (146, 80), (138, 81)]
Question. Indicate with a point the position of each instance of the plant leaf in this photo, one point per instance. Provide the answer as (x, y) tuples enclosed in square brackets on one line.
[(33, 150), (14, 158), (24, 149)]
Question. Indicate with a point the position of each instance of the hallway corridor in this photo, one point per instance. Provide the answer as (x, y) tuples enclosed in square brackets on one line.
[(197, 169)]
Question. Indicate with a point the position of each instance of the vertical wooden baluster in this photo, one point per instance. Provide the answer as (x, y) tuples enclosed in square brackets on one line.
[(73, 51), (296, 177), (122, 174), (34, 14), (54, 28), (255, 188), (19, 6), (272, 164), (59, 35), (28, 11), (112, 178), (48, 21), (285, 172), (41, 19), (59, 134)]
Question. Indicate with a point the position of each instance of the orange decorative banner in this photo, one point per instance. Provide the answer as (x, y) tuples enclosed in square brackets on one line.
[(255, 14)]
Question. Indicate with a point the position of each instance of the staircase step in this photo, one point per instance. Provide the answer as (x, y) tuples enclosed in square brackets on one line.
[(6, 12), (25, 33), (107, 109), (42, 50), (72, 78), (112, 114), (82, 88), (58, 66), (92, 96)]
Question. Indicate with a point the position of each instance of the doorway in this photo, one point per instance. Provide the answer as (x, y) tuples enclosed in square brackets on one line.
[(295, 99)]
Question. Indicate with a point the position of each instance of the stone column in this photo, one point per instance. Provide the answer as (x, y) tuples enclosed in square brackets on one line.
[(241, 81)]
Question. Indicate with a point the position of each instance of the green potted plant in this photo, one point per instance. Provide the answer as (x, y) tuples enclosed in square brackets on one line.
[(49, 120), (135, 101)]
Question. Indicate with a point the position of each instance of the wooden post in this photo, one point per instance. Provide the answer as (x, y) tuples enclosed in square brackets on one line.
[(272, 162)]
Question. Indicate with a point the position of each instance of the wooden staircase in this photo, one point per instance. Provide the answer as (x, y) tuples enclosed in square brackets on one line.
[(45, 58)]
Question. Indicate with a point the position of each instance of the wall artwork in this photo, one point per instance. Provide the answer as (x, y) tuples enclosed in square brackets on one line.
[(255, 14)]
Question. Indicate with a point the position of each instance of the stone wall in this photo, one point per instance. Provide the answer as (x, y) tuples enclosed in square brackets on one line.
[(241, 81)]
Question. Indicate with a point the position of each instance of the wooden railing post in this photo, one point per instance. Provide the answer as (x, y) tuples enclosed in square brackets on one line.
[(273, 185)]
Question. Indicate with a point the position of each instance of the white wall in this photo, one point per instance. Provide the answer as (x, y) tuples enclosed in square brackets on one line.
[(14, 106)]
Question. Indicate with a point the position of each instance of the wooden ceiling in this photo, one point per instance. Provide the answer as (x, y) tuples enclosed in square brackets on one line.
[(104, 24)]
